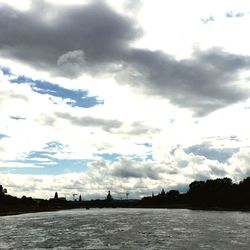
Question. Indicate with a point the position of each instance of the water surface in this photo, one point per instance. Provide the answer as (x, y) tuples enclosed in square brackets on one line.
[(126, 229)]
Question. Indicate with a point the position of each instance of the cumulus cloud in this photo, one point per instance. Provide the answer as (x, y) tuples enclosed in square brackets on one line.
[(179, 163), (88, 121), (94, 38), (126, 174), (239, 164), (138, 128), (126, 168), (219, 154)]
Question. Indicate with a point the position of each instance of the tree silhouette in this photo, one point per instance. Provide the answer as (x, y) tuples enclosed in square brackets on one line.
[(2, 190), (244, 191), (216, 192)]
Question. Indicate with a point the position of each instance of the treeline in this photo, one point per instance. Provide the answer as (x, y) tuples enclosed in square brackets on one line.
[(13, 205), (210, 194)]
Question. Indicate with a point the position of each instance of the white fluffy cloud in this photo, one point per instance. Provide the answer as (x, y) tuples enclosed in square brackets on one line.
[(154, 66)]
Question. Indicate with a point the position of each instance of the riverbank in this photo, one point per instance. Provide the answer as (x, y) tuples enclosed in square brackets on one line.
[(210, 195), (220, 209), (9, 213)]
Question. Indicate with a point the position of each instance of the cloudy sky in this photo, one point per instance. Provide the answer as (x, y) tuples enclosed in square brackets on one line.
[(127, 95)]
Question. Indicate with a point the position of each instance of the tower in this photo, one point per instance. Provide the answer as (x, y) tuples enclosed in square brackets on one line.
[(109, 197)]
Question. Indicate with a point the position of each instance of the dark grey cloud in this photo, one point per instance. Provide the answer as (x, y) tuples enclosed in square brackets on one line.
[(46, 120), (88, 121), (66, 40), (213, 172), (219, 154), (17, 118), (218, 171), (208, 19), (232, 14), (202, 83), (239, 14), (94, 39), (5, 95), (133, 169), (229, 14), (138, 128)]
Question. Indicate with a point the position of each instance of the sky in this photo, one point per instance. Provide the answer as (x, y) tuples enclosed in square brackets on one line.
[(127, 96)]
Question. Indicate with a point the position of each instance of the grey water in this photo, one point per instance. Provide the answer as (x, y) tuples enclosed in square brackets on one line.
[(126, 229)]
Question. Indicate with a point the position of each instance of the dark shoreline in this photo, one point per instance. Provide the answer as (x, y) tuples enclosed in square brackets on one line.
[(210, 195), (10, 213), (212, 209)]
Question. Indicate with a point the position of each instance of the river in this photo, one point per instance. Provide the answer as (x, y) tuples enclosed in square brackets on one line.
[(126, 229)]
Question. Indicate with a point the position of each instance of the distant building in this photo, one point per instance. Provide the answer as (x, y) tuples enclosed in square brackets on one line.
[(109, 197), (61, 198), (56, 198), (163, 192)]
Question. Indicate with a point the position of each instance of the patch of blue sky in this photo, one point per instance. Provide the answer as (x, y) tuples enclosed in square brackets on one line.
[(137, 158), (3, 136), (5, 70), (115, 157), (56, 167), (71, 165), (74, 98), (41, 154), (147, 145), (49, 151), (109, 157), (48, 164), (149, 157), (54, 145)]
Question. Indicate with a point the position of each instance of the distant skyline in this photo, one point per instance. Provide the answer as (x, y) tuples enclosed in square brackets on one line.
[(127, 96)]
